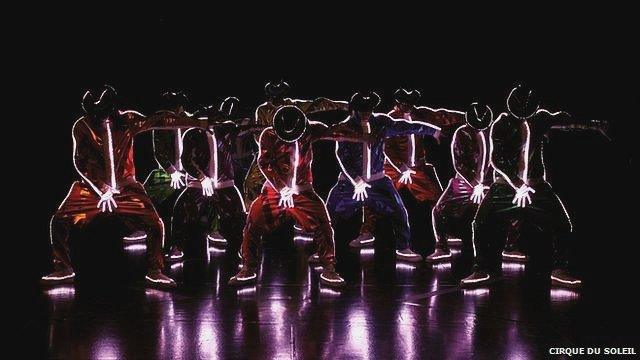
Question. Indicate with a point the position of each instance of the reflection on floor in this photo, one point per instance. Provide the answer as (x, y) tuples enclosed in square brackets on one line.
[(388, 310)]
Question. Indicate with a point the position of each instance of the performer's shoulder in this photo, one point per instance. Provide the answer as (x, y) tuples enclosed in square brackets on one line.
[(130, 115)]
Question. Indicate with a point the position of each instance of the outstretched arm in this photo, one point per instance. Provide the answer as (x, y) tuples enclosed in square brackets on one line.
[(336, 132), (162, 120), (320, 104), (401, 127), (562, 121)]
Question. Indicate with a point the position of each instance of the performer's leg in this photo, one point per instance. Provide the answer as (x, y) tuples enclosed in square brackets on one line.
[(492, 217), (548, 212), (340, 202), (137, 212), (158, 187), (76, 210), (264, 216), (425, 185), (450, 210), (365, 237), (512, 250), (384, 199), (232, 214)]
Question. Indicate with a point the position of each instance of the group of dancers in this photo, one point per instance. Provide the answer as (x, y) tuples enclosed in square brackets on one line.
[(499, 184)]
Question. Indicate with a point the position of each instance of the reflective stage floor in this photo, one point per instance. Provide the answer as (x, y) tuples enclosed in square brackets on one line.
[(388, 310)]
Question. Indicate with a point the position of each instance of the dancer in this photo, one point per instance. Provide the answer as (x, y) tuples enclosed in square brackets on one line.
[(454, 211), (362, 181), (406, 158), (521, 189), (163, 184), (211, 191), (276, 93), (285, 158), (103, 157)]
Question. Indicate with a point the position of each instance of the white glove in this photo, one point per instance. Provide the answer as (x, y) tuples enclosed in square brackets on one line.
[(177, 180), (207, 186), (478, 193), (360, 190), (522, 198), (405, 177), (286, 197), (106, 202)]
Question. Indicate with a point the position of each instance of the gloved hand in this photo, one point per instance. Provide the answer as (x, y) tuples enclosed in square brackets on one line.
[(405, 175), (286, 197), (360, 190), (522, 197), (478, 193), (177, 179), (106, 202), (207, 186)]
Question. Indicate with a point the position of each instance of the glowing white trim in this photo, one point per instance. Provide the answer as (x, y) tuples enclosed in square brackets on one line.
[(303, 238), (258, 159), (565, 213), (344, 170), (180, 147), (525, 172), (412, 255), (367, 251), (484, 156), (331, 280), (176, 256), (134, 238), (326, 291), (405, 266), (472, 281), (296, 160), (57, 278), (513, 256), (495, 168), (250, 277), (75, 150), (441, 256), (219, 240), (246, 291), (159, 281), (366, 153), (213, 157), (571, 282), (244, 207), (112, 166), (216, 250), (367, 240), (454, 240), (433, 216), (177, 265), (453, 157), (136, 247)]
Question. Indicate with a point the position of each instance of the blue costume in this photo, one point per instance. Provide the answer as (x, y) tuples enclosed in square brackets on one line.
[(365, 162)]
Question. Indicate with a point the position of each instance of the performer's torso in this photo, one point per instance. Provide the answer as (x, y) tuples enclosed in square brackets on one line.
[(471, 155), (170, 141), (362, 158), (405, 150), (293, 159), (110, 146)]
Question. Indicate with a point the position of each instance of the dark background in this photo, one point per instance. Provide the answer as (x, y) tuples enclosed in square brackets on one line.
[(580, 64)]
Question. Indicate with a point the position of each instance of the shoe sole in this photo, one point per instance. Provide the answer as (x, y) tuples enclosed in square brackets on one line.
[(556, 283), (57, 282), (438, 260), (161, 286), (412, 260), (335, 285), (515, 259)]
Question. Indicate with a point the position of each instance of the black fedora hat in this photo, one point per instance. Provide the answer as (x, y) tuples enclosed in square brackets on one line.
[(364, 101), (100, 102), (408, 97), (479, 116), (289, 123), (276, 90), (230, 107), (522, 102), (174, 99)]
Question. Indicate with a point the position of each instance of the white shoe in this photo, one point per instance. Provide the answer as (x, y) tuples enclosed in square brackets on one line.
[(439, 255), (215, 238), (408, 255)]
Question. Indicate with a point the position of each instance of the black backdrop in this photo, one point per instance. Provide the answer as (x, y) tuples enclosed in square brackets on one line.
[(582, 66)]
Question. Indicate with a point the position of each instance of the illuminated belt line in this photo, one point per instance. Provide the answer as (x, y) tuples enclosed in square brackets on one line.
[(56, 278)]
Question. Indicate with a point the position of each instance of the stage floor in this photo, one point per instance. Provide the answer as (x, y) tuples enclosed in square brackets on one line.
[(388, 310)]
